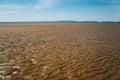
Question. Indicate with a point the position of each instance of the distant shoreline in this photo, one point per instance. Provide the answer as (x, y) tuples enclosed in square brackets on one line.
[(32, 22)]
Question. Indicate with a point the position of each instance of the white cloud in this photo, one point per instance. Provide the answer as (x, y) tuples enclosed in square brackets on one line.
[(8, 12), (12, 6), (42, 4), (11, 9)]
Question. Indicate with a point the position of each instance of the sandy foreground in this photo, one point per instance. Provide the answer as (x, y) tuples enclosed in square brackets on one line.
[(60, 51)]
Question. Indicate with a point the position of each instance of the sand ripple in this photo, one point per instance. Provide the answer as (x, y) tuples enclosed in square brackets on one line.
[(60, 52)]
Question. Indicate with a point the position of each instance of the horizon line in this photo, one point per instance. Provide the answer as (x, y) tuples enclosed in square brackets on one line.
[(58, 21)]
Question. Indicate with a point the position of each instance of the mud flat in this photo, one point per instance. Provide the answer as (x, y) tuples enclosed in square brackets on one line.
[(60, 51)]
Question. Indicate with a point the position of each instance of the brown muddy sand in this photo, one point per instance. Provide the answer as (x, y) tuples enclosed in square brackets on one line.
[(60, 51)]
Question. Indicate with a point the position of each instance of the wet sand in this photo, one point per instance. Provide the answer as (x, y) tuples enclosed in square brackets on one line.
[(60, 51)]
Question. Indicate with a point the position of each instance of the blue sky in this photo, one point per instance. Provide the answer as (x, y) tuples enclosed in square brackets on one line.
[(52, 10)]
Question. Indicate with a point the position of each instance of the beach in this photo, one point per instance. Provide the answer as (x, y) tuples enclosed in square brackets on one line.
[(60, 51)]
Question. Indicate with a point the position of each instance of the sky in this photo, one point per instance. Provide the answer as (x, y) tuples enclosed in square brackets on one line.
[(57, 10)]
